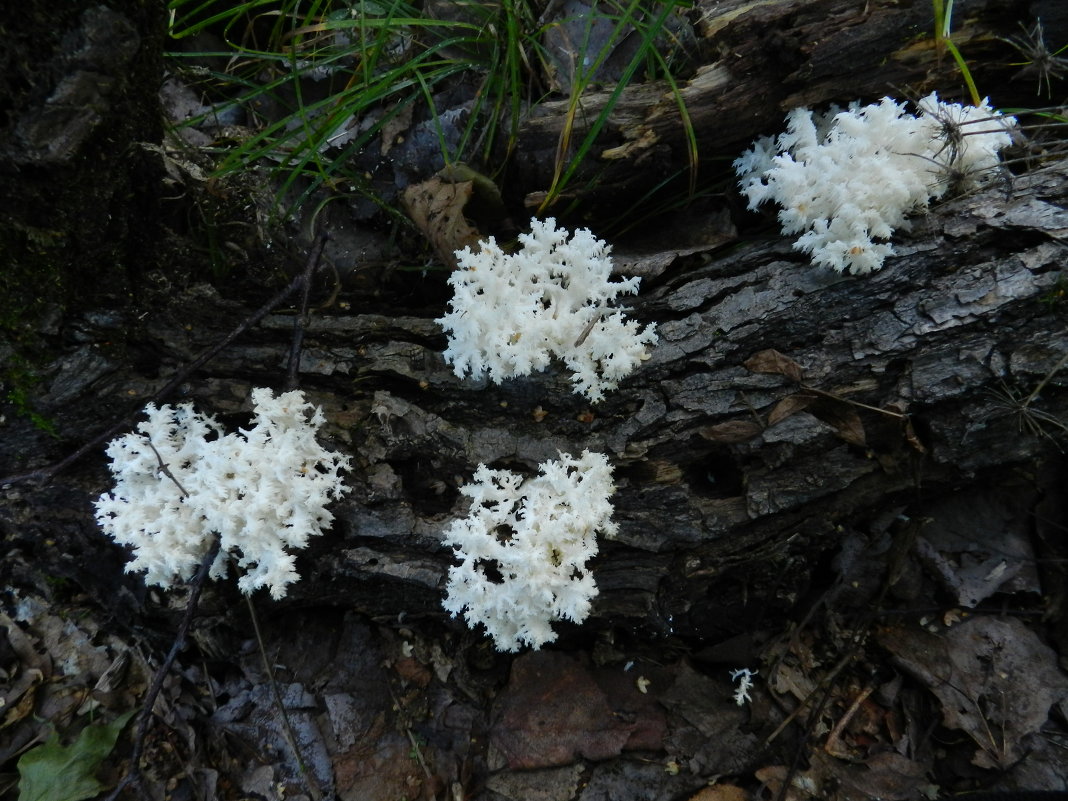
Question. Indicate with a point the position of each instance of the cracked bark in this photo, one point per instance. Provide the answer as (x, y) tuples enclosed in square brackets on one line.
[(759, 60), (721, 515), (727, 522)]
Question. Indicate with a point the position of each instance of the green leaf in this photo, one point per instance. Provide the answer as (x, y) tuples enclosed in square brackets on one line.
[(54, 772)]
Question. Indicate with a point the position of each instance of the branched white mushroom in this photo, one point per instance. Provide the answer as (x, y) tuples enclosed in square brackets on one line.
[(180, 481), (511, 314)]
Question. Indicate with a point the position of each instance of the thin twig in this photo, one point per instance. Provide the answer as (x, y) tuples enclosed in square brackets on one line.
[(287, 728), (823, 688), (133, 777), (824, 394), (315, 253), (418, 752), (831, 746), (165, 470), (1045, 380), (589, 327), (47, 473)]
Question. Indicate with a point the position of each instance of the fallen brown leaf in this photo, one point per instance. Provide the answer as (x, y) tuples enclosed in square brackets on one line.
[(771, 361), (552, 712), (720, 792), (996, 681), (789, 405), (437, 209), (731, 431), (844, 420), (912, 439), (394, 128)]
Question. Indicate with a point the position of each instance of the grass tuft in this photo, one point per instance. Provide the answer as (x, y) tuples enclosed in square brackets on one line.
[(322, 84)]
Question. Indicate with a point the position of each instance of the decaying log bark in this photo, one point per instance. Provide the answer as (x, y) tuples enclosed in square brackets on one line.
[(786, 410), (913, 382), (759, 60)]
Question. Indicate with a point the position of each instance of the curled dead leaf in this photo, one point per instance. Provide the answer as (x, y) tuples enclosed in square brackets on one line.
[(802, 785), (436, 206), (912, 439), (20, 697), (731, 431), (771, 361), (789, 405), (845, 421), (990, 675)]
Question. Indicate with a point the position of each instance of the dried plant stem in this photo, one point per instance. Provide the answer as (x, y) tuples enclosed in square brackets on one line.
[(824, 394), (133, 777), (315, 254), (287, 728), (1045, 380)]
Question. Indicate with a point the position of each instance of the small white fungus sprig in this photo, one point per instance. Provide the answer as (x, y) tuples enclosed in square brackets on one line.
[(524, 545), (848, 179), (181, 481), (741, 694), (510, 314)]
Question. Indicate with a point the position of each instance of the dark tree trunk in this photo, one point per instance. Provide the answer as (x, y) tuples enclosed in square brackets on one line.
[(79, 192)]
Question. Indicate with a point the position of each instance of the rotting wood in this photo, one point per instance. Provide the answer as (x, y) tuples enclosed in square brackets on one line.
[(758, 61), (963, 318)]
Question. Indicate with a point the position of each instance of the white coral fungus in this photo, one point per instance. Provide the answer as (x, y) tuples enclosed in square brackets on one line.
[(741, 695), (181, 480), (848, 179), (510, 314), (524, 545)]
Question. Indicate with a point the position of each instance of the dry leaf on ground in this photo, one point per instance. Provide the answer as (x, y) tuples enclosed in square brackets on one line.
[(552, 712), (995, 679), (436, 207)]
